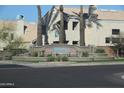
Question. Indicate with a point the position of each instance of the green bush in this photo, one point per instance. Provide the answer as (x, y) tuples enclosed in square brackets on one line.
[(35, 54), (100, 51), (64, 58), (51, 58), (7, 55), (16, 51), (49, 55), (85, 54), (58, 58)]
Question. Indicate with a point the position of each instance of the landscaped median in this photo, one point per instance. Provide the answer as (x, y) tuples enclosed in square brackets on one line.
[(54, 59), (119, 59), (90, 59), (29, 59)]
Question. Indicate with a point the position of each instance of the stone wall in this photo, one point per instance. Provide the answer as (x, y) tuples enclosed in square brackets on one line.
[(108, 50), (60, 49)]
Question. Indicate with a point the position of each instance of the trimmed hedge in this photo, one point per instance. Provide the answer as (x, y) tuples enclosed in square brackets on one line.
[(64, 58), (58, 58), (100, 51), (51, 58), (29, 59)]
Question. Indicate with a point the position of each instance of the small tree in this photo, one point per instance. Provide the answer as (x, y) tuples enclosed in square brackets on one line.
[(15, 44), (5, 29), (59, 26), (117, 48), (118, 45)]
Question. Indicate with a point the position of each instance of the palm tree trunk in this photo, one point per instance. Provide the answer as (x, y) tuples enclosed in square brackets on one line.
[(82, 28), (46, 39), (62, 36), (39, 27)]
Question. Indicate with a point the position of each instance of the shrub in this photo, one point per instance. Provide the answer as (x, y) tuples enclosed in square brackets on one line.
[(7, 55), (85, 54), (51, 58), (58, 58), (64, 58), (16, 51), (100, 51), (49, 55), (35, 54)]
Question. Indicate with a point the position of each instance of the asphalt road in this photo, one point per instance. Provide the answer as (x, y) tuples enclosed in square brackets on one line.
[(62, 77)]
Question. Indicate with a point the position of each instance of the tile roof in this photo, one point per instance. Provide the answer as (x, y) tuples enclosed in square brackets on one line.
[(102, 14)]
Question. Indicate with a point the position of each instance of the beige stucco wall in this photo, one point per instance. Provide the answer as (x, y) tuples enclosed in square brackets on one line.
[(29, 35), (93, 36), (97, 37)]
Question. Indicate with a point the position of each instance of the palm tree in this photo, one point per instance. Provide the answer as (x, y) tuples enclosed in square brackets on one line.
[(59, 26), (39, 26), (82, 27), (62, 36), (92, 18), (82, 17)]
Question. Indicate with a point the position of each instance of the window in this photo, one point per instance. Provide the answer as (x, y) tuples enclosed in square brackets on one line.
[(115, 40), (55, 42), (107, 40), (74, 42), (115, 31), (12, 36), (25, 27), (74, 25)]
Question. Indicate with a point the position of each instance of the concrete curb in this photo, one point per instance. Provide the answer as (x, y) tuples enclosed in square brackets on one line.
[(60, 64)]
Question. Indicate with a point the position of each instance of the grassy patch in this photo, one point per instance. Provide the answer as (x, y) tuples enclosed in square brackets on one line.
[(115, 60), (119, 59)]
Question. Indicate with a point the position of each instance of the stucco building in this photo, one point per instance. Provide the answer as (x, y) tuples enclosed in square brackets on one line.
[(112, 28), (110, 32), (18, 28)]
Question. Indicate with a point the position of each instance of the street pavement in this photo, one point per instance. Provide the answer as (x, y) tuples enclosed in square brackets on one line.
[(83, 76)]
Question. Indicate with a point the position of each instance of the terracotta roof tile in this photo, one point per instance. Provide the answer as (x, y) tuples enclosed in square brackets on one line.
[(102, 14)]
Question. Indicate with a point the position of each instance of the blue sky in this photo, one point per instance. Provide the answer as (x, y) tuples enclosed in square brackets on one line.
[(9, 12)]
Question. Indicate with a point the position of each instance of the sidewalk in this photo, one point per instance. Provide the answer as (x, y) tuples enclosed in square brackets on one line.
[(61, 64)]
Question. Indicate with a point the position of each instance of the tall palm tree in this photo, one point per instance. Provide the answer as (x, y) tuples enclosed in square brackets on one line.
[(62, 36), (59, 25), (39, 26), (92, 18), (82, 27)]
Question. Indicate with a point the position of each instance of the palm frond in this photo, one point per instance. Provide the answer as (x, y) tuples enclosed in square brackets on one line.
[(76, 13), (53, 19), (90, 24), (98, 24), (50, 15), (66, 17), (55, 27), (92, 9), (94, 18)]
